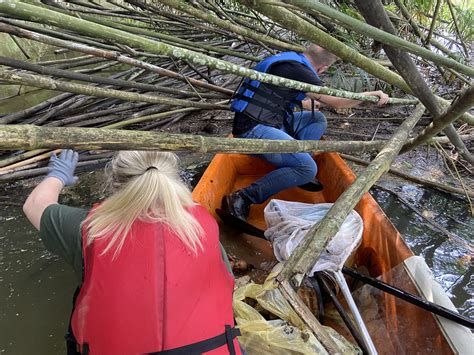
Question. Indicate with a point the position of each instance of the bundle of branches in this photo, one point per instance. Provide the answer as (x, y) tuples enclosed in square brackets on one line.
[(144, 65), (159, 54)]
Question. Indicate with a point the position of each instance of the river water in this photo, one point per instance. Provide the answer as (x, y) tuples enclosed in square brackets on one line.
[(36, 287)]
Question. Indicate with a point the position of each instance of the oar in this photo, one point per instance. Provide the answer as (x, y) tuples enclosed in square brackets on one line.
[(340, 309), (395, 291), (408, 297)]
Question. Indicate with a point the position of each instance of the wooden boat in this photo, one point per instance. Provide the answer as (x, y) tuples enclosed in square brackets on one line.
[(398, 327)]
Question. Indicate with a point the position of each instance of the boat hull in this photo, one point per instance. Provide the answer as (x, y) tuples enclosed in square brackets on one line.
[(398, 327)]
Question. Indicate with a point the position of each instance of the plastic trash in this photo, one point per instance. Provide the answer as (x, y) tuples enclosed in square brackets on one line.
[(286, 335), (288, 222)]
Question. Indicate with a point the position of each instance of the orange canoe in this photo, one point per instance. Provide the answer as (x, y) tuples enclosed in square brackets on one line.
[(398, 327)]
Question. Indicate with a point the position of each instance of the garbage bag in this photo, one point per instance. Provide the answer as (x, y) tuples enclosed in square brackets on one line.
[(288, 222), (286, 335)]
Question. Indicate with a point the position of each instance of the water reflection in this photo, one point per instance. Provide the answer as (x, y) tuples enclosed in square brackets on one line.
[(450, 259)]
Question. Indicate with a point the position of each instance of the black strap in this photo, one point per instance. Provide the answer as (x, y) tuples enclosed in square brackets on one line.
[(273, 98), (276, 110), (206, 345), (71, 343), (229, 335), (282, 102)]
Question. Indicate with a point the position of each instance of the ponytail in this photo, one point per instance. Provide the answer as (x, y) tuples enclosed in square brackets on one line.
[(148, 188)]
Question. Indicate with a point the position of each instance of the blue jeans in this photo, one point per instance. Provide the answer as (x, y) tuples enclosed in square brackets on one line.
[(292, 169)]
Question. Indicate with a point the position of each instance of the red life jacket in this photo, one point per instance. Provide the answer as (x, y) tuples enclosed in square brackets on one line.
[(155, 295)]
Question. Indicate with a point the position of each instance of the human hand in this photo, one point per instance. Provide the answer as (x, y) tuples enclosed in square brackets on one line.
[(383, 97), (62, 168)]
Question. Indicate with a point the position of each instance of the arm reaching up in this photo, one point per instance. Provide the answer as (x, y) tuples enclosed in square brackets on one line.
[(60, 174)]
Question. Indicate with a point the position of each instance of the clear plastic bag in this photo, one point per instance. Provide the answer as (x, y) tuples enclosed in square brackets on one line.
[(288, 222)]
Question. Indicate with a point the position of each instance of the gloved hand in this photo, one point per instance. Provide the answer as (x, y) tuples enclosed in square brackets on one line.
[(63, 167)]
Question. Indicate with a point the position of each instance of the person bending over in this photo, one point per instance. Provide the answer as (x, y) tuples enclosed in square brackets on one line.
[(153, 277), (265, 111)]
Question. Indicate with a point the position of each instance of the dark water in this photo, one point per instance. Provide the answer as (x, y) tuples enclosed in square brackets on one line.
[(36, 287), (450, 259)]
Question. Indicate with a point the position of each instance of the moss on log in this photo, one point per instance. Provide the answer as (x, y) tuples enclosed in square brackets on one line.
[(53, 18), (308, 251), (36, 137)]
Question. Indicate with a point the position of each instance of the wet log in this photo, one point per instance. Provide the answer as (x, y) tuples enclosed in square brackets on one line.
[(458, 107), (30, 12), (313, 6), (130, 84), (308, 251), (348, 54), (412, 178), (374, 13), (112, 55), (40, 137), (51, 84)]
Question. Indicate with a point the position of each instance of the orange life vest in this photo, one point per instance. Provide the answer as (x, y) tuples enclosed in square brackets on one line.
[(155, 295)]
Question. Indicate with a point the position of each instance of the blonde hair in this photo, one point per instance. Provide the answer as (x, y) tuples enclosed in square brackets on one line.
[(146, 186)]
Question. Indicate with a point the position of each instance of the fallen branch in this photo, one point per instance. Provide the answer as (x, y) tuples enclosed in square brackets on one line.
[(30, 12), (309, 250), (325, 40), (457, 108), (375, 14), (434, 225), (51, 84), (108, 55), (415, 179), (41, 137), (353, 24), (95, 79)]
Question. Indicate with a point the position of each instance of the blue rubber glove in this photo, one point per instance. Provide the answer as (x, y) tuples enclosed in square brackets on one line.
[(63, 167)]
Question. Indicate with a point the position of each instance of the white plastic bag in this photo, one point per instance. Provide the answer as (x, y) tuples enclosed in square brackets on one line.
[(288, 222)]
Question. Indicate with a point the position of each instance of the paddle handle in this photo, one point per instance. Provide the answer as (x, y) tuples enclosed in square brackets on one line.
[(408, 297)]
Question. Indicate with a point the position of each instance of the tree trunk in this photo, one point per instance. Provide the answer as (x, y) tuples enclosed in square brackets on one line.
[(458, 107), (375, 14), (30, 12), (315, 35), (35, 137), (379, 35), (308, 251)]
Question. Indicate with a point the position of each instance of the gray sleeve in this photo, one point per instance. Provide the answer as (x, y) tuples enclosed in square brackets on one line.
[(60, 231), (226, 259)]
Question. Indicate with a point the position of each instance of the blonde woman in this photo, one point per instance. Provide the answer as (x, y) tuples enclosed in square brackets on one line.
[(153, 276)]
